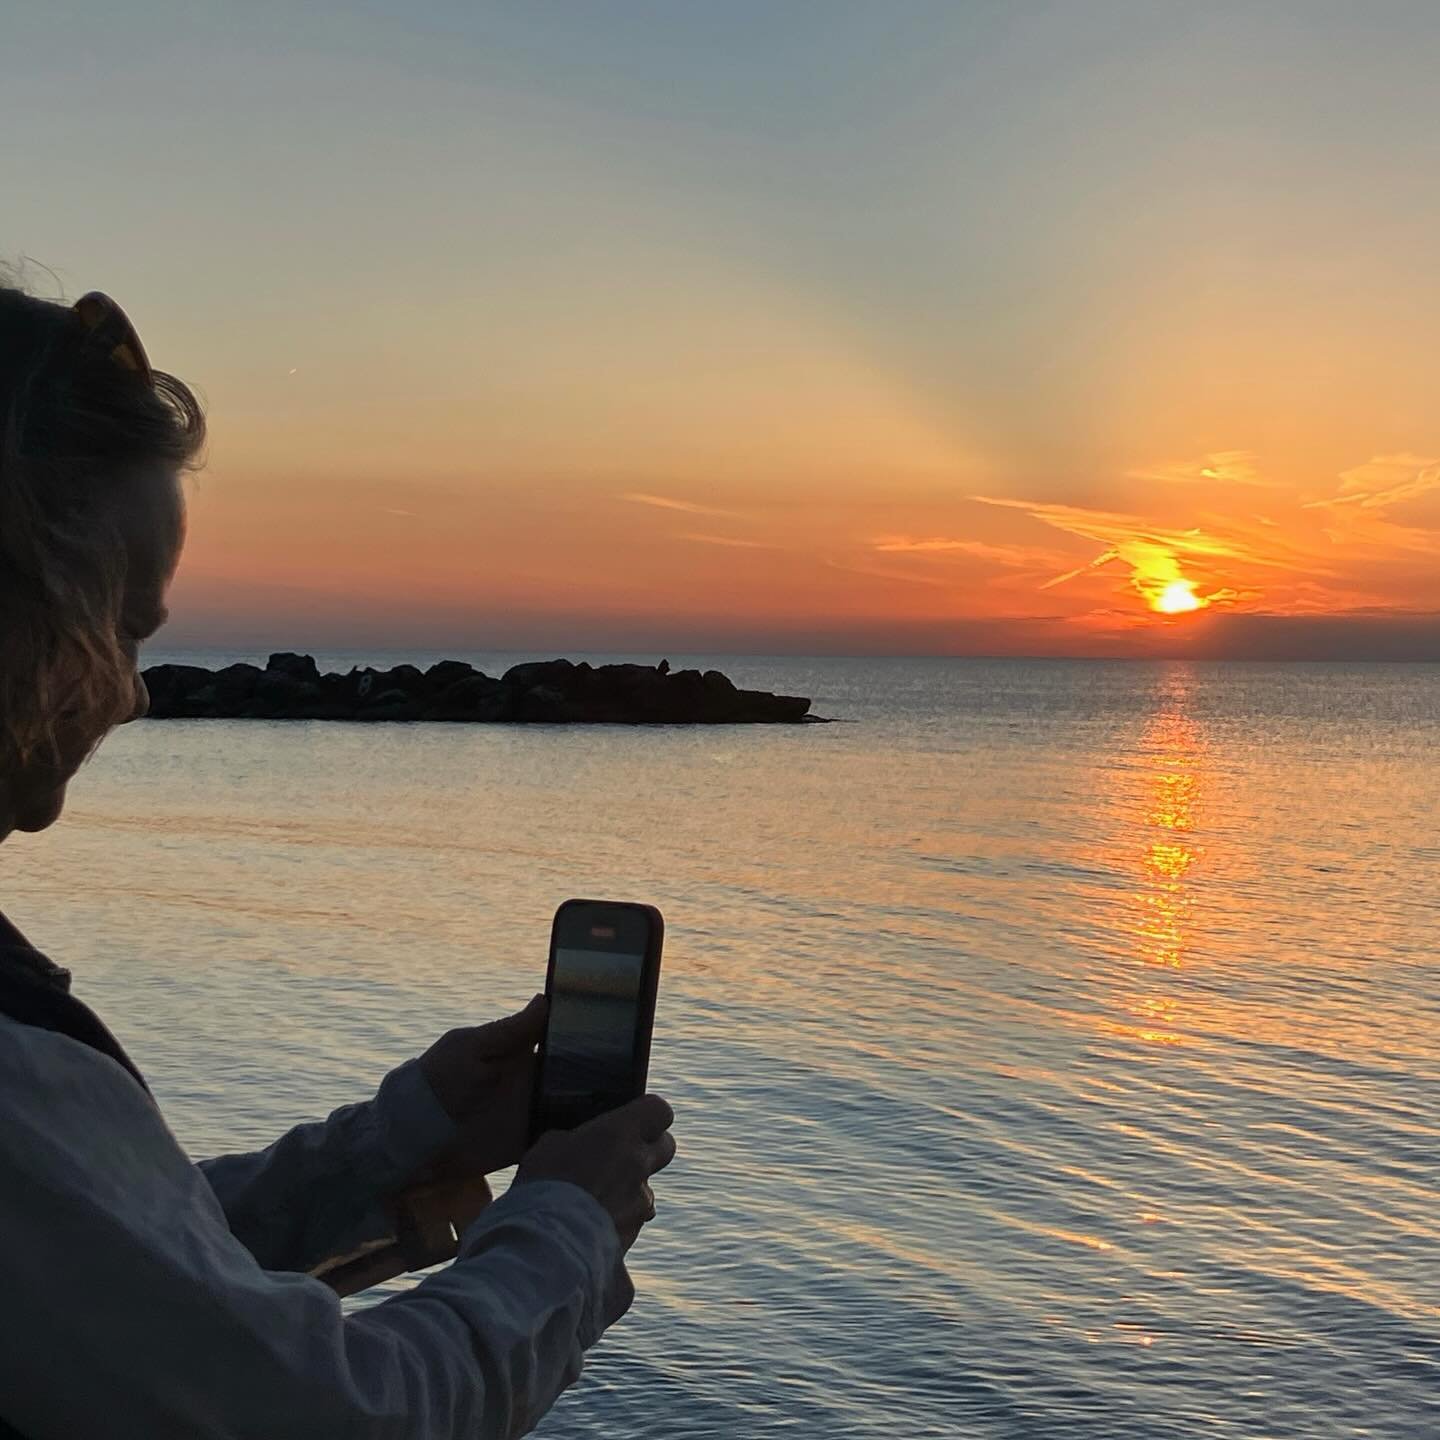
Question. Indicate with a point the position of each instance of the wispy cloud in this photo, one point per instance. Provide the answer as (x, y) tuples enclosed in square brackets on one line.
[(1018, 557), (1113, 530), (669, 502), (1153, 553), (880, 572), (1080, 570), (1301, 554), (1388, 480), (727, 540), (1356, 519), (1221, 467)]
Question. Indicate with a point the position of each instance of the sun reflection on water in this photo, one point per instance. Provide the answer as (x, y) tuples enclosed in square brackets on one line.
[(1174, 756), (1160, 856)]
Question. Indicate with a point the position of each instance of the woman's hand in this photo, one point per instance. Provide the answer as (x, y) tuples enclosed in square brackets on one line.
[(613, 1157), (483, 1076)]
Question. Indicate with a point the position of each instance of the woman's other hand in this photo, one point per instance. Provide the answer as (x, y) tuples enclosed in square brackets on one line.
[(613, 1157), (483, 1076)]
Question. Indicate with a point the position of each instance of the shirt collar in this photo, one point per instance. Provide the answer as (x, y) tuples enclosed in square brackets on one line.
[(19, 954)]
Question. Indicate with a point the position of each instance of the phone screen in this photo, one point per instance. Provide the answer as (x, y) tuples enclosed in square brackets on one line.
[(589, 1061)]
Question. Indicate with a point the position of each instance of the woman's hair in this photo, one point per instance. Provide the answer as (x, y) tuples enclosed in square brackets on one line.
[(76, 429)]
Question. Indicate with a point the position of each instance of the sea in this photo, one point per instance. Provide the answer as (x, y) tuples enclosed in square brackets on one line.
[(1054, 1046)]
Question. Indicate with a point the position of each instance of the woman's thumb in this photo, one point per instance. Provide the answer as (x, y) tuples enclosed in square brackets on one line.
[(520, 1031)]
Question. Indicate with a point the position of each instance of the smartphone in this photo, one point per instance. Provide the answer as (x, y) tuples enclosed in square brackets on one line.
[(601, 984)]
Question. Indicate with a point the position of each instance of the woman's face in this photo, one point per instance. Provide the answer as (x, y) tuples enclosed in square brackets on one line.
[(152, 523)]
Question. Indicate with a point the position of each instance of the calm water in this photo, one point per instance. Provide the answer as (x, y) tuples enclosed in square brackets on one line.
[(1054, 1045)]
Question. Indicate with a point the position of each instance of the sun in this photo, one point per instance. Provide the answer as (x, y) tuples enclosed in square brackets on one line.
[(1176, 598)]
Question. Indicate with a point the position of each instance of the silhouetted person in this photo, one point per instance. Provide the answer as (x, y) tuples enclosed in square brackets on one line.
[(143, 1295)]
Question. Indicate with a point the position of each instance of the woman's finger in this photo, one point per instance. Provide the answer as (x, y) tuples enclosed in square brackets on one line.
[(659, 1153), (649, 1117), (518, 1032), (637, 1214)]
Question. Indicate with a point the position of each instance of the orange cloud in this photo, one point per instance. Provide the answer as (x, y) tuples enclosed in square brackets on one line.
[(1388, 480), (667, 502), (1300, 556), (1018, 557), (1153, 553), (729, 540), (1223, 467)]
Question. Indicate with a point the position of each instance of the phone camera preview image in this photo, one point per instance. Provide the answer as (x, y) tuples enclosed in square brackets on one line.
[(589, 1061)]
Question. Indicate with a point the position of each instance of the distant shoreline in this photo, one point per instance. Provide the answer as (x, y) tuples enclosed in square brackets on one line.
[(291, 686)]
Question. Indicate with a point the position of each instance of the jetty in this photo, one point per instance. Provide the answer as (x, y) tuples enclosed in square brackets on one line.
[(556, 692)]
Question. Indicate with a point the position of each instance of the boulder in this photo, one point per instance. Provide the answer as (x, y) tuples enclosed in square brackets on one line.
[(621, 678), (445, 673), (475, 698), (556, 673), (391, 704), (542, 703), (236, 684), (282, 696), (203, 703), (298, 667), (170, 687), (349, 691), (760, 707), (682, 696), (407, 678)]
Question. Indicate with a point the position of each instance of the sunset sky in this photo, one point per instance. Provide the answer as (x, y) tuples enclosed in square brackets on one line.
[(836, 327)]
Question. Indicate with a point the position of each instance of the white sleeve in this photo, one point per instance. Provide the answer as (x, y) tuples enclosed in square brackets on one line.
[(129, 1310), (316, 1191)]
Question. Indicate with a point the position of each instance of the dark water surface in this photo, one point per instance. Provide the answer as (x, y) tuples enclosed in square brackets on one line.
[(1054, 1045)]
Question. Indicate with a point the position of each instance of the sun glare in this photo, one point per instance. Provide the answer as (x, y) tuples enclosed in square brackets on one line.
[(1176, 598)]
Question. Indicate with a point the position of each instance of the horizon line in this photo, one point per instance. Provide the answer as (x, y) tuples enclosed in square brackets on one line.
[(159, 652)]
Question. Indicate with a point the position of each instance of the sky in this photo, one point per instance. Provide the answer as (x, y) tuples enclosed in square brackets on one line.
[(1098, 327)]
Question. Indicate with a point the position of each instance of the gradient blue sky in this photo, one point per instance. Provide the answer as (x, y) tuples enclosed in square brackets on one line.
[(792, 326)]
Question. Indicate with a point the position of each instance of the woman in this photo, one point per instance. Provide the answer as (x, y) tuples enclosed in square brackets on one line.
[(143, 1295)]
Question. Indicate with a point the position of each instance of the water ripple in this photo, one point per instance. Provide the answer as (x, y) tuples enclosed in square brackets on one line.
[(1053, 1046)]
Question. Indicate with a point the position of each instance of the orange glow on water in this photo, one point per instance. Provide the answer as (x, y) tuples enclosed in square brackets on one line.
[(1164, 900), (1159, 802)]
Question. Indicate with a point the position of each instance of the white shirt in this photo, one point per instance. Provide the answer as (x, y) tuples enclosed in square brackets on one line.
[(144, 1296)]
